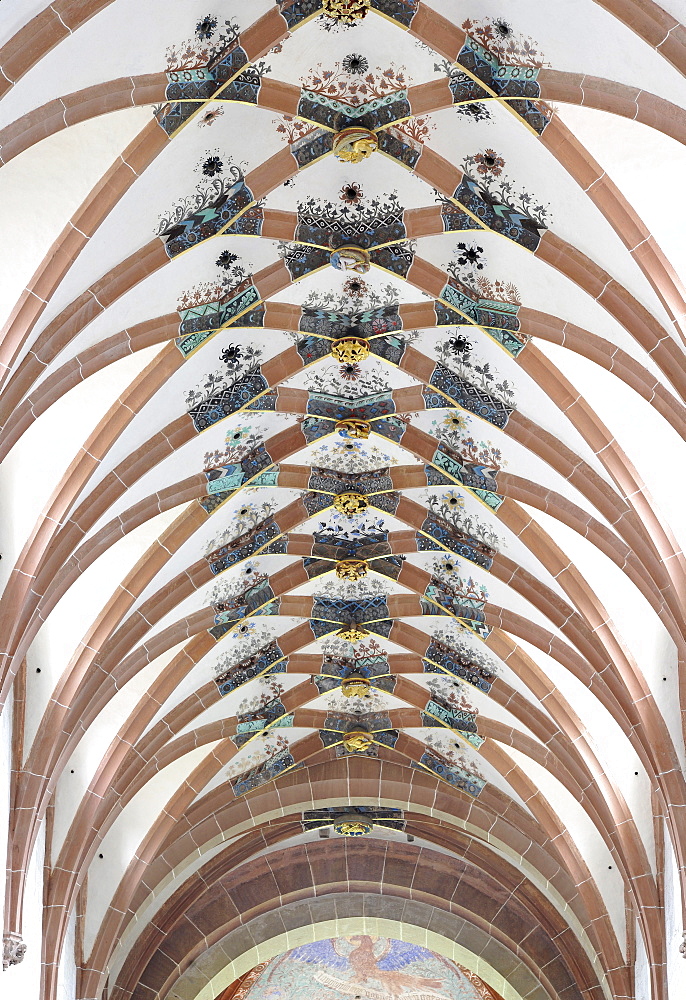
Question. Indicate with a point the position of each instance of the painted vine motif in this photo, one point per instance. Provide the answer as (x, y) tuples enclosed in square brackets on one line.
[(357, 297), (372, 702), (333, 25), (453, 753), (239, 442), (486, 170), (348, 381), (450, 692), (456, 354), (452, 637), (245, 518), (271, 745), (351, 456), (450, 508), (263, 691), (446, 568), (218, 175), (469, 259), (211, 38), (362, 590), (334, 648), (241, 643), (498, 37), (453, 430), (418, 128), (216, 290), (354, 86), (293, 129), (226, 590), (240, 360)]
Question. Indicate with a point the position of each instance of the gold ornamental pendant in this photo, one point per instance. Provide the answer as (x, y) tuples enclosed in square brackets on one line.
[(353, 828), (351, 569), (347, 11), (354, 428), (352, 145), (352, 633), (350, 350), (350, 503), (355, 687), (350, 258), (357, 741)]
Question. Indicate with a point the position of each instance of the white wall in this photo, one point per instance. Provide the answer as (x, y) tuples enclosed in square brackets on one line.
[(23, 981), (66, 979), (674, 925), (642, 983), (5, 772)]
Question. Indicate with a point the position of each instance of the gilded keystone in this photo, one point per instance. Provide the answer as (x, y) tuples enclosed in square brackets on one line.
[(350, 503), (351, 569), (354, 144)]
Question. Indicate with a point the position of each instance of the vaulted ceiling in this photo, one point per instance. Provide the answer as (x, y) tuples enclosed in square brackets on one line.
[(342, 393)]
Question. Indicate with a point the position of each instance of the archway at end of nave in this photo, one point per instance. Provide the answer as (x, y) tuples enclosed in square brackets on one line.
[(364, 966)]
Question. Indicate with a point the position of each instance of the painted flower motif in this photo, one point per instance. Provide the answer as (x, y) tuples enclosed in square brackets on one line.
[(226, 259), (447, 564), (249, 509), (206, 28), (351, 194), (355, 288), (489, 163), (355, 63), (210, 117), (236, 434), (212, 166), (243, 630), (350, 372), (502, 28), (453, 499), (469, 256), (455, 421), (231, 356), (459, 345), (379, 325)]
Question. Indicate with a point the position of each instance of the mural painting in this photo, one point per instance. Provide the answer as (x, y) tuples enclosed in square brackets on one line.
[(364, 967)]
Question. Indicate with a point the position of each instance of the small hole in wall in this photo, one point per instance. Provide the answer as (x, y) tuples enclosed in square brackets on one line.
[(664, 678), (609, 868), (101, 856), (37, 670), (72, 771), (635, 772)]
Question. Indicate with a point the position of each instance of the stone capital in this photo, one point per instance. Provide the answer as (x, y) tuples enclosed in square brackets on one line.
[(13, 949)]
